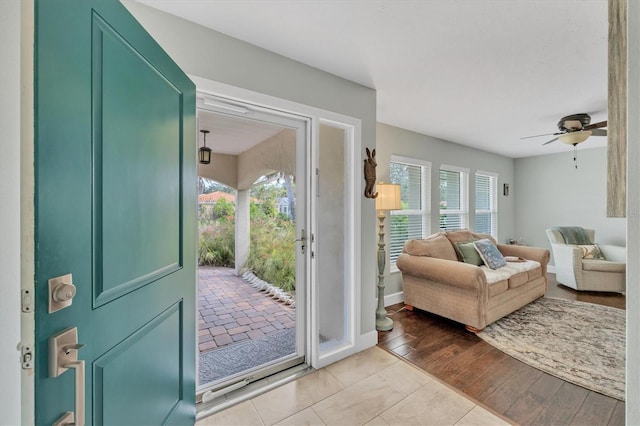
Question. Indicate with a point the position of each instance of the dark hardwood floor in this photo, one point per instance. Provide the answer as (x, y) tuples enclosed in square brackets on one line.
[(510, 388)]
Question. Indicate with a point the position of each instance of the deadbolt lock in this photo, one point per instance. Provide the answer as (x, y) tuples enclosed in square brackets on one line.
[(61, 292)]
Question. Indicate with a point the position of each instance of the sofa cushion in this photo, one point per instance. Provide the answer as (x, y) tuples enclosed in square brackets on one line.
[(535, 273), (498, 287), (484, 236), (436, 245), (516, 280), (598, 265), (490, 254), (468, 253), (514, 274), (495, 275), (460, 236)]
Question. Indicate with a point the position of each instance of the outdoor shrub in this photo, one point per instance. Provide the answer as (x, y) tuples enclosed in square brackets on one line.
[(217, 244), (272, 255), (272, 251)]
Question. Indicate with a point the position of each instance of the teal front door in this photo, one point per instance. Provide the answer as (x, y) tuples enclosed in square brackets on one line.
[(115, 204)]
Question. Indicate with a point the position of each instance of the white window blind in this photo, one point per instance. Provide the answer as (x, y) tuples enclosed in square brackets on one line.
[(413, 221), (487, 203), (454, 200)]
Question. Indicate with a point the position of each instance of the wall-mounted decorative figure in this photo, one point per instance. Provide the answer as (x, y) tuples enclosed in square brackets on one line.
[(370, 174)]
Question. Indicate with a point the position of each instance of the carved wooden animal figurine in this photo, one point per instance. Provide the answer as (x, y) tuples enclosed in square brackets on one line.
[(370, 174)]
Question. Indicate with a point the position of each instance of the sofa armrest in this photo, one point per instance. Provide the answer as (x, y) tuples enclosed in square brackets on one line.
[(450, 272), (614, 253), (540, 255)]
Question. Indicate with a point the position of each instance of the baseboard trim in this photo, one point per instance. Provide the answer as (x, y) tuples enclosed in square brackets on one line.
[(392, 299)]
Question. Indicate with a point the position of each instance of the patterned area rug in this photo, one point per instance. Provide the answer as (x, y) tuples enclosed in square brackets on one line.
[(579, 342)]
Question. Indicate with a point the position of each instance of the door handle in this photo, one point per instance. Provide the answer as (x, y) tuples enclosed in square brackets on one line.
[(63, 355), (78, 366), (302, 239)]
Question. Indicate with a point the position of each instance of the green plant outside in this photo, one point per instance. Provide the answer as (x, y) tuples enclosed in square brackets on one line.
[(272, 238), (272, 256)]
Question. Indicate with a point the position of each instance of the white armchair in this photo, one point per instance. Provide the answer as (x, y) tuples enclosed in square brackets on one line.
[(588, 274)]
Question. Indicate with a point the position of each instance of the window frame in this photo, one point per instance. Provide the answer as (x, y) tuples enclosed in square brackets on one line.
[(493, 200), (463, 212), (425, 199)]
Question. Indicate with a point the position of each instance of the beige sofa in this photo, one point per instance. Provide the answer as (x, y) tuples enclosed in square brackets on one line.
[(435, 279)]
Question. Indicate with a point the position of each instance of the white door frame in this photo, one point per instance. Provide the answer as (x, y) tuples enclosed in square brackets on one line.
[(352, 127), (217, 105)]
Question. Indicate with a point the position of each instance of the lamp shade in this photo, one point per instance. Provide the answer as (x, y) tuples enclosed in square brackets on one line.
[(388, 196), (573, 138)]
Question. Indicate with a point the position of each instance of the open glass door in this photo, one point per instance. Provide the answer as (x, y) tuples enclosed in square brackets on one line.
[(251, 310)]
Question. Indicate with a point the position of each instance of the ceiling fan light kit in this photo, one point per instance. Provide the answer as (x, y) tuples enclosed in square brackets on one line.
[(575, 129), (574, 138)]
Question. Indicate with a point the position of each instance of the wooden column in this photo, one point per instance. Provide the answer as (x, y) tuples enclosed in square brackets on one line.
[(617, 116)]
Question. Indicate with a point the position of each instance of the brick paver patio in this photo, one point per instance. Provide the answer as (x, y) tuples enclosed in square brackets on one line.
[(231, 310)]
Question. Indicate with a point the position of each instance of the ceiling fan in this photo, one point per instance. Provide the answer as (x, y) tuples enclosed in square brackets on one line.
[(574, 129)]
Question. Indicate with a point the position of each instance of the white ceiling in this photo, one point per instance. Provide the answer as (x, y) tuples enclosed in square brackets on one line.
[(233, 135), (480, 73)]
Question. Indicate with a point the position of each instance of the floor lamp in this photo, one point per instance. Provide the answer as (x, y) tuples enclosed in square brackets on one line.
[(388, 199)]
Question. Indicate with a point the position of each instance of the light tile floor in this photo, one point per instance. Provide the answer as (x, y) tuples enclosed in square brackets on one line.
[(372, 387)]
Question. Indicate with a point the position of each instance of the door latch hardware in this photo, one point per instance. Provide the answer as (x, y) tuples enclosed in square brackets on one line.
[(63, 355), (26, 357), (27, 301), (66, 419), (63, 350), (302, 240), (61, 292)]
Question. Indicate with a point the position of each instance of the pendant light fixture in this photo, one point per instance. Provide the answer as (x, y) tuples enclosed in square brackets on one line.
[(204, 152)]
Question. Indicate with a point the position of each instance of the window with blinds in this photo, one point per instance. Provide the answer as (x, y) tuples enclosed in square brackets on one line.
[(487, 203), (413, 221), (454, 211)]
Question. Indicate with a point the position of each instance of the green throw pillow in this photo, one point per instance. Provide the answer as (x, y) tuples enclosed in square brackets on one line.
[(468, 253)]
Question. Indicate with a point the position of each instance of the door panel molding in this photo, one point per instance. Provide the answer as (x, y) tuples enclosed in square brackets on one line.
[(114, 131), (140, 213), (114, 367)]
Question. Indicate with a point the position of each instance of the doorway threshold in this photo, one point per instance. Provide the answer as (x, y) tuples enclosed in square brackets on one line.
[(251, 390)]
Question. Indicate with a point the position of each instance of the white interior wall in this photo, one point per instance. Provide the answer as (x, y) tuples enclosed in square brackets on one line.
[(549, 191), (10, 16), (214, 56), (396, 141)]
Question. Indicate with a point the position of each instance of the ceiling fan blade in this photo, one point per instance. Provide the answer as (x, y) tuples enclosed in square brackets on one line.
[(548, 142), (599, 132), (537, 136), (595, 125)]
